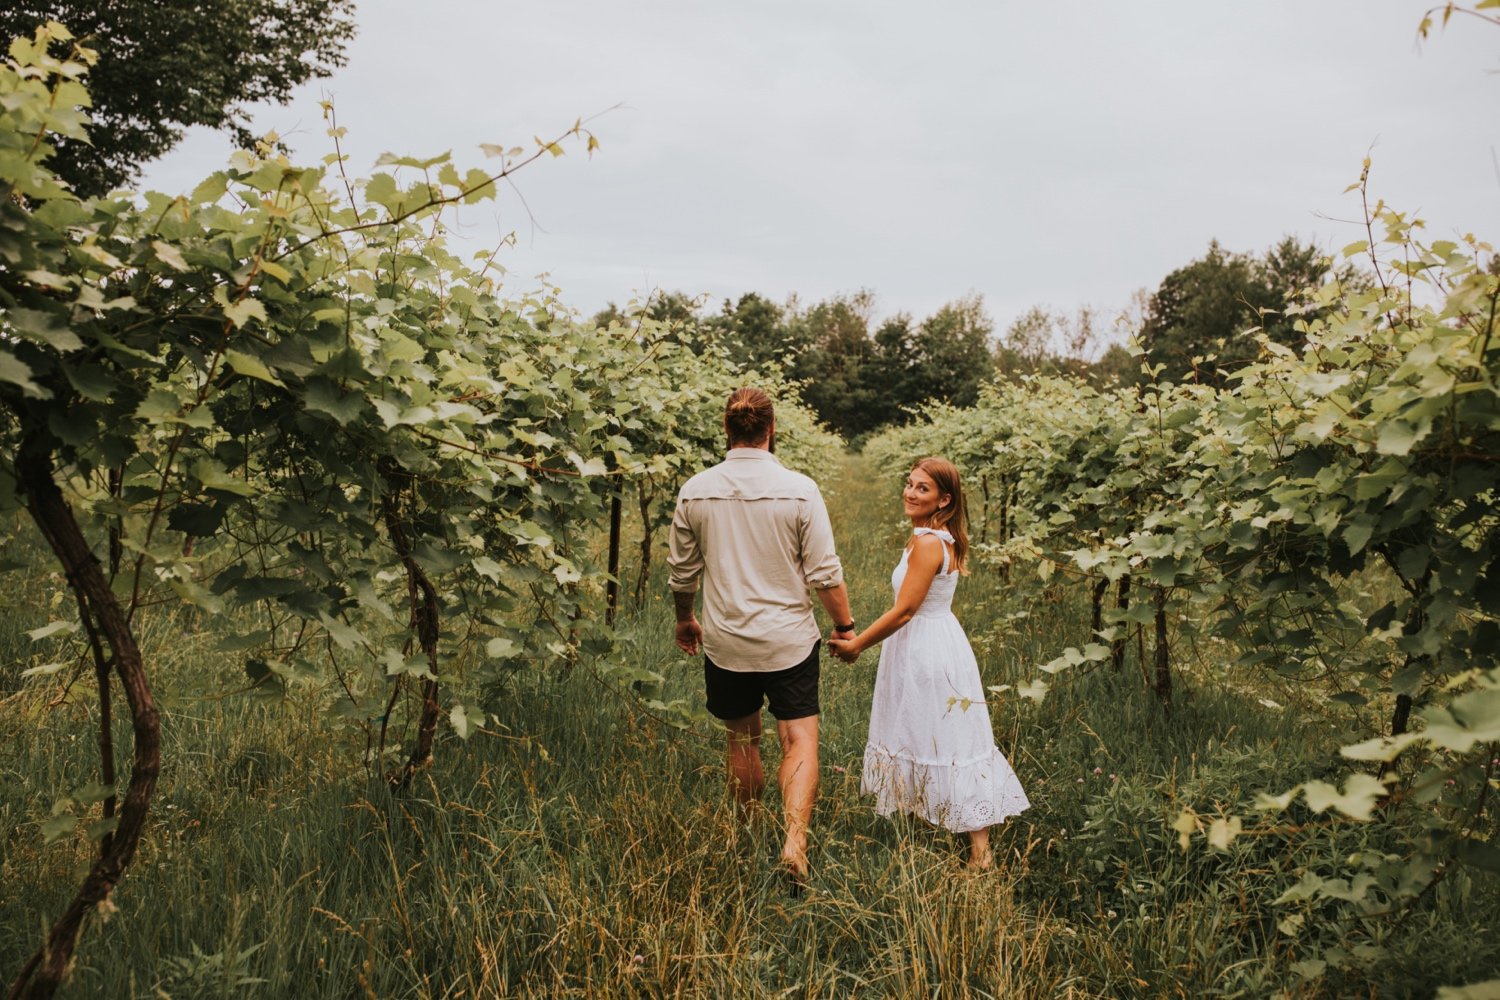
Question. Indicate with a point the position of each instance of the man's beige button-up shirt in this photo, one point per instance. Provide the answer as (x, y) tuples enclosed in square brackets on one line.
[(757, 534)]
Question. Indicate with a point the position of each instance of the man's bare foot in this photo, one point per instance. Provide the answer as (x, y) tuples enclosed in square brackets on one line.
[(794, 862), (795, 872)]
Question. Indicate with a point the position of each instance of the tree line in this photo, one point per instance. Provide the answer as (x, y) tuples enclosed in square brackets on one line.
[(861, 373)]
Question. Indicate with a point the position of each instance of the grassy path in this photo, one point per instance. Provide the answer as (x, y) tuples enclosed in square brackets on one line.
[(583, 848)]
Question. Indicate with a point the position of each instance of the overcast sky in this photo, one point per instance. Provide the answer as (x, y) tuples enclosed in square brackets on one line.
[(1052, 154)]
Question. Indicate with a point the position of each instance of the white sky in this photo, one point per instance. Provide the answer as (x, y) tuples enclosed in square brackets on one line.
[(1043, 153)]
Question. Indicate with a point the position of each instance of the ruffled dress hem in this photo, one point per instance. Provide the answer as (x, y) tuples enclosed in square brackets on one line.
[(961, 797)]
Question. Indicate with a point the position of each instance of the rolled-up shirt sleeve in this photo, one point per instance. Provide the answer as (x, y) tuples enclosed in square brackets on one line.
[(685, 555), (820, 562)]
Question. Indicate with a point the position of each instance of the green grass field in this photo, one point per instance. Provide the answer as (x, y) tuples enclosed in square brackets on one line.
[(583, 847)]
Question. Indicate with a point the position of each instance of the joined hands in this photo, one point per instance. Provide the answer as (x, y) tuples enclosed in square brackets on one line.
[(843, 647)]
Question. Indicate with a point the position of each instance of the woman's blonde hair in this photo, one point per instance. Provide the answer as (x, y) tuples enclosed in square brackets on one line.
[(952, 517)]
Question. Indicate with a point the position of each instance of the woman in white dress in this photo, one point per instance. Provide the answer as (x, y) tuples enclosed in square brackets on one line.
[(931, 751)]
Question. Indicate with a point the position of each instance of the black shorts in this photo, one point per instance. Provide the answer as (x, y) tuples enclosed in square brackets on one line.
[(735, 694)]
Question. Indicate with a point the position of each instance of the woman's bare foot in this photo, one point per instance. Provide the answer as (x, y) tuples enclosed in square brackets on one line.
[(980, 857)]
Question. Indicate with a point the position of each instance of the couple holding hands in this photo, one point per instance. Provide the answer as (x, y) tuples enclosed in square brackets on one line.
[(756, 536)]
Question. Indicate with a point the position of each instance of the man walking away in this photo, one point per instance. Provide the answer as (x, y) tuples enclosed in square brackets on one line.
[(757, 535)]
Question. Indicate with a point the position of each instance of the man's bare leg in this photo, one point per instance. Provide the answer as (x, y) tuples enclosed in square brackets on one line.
[(747, 779), (799, 787)]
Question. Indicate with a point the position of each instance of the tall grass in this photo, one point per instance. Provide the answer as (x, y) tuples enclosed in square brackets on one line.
[(581, 846)]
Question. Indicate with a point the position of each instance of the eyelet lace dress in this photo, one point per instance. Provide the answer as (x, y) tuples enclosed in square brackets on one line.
[(927, 754)]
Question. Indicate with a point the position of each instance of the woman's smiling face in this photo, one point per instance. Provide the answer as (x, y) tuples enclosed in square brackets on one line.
[(921, 497)]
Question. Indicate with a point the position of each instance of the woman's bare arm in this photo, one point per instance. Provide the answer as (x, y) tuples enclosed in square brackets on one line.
[(922, 568)]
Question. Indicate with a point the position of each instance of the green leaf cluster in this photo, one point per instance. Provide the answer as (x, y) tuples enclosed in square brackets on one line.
[(283, 397), (160, 66)]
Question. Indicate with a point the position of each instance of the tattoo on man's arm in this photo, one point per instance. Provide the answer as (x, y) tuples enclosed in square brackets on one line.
[(683, 601)]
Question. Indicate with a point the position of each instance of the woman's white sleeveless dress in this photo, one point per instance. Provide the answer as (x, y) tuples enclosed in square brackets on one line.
[(927, 754)]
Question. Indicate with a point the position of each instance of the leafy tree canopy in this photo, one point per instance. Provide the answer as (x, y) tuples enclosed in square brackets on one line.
[(1043, 341), (165, 65), (1200, 322), (857, 373), (751, 330), (838, 365), (953, 353)]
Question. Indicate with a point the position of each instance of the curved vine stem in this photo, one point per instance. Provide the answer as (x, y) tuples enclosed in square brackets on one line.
[(44, 971)]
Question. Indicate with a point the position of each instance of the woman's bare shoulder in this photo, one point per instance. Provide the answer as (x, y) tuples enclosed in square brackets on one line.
[(928, 548)]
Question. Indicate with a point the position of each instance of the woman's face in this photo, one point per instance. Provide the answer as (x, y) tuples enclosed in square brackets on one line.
[(921, 497)]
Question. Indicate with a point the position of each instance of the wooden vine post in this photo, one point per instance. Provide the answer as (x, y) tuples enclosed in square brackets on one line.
[(1161, 684), (645, 495), (1122, 604), (984, 508), (612, 584), (1100, 588)]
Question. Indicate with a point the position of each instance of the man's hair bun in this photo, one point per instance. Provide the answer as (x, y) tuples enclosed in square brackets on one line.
[(748, 416)]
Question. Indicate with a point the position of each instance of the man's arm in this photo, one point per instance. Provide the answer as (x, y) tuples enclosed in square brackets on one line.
[(688, 633), (821, 566), (836, 603), (685, 567)]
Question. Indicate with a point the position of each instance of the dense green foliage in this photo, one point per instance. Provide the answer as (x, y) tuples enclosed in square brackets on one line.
[(281, 398), (164, 65), (1200, 321)]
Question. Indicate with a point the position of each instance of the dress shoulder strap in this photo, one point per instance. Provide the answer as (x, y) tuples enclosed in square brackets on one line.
[(940, 533)]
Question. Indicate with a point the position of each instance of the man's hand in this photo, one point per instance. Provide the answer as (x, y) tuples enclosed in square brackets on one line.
[(688, 636), (844, 648)]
